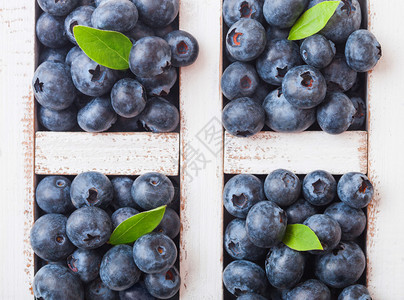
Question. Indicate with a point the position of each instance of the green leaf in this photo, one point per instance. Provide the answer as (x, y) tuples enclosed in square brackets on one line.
[(301, 238), (313, 20), (107, 48), (133, 228)]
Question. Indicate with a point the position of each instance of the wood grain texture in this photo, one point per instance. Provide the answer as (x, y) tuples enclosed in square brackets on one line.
[(108, 153), (201, 249), (17, 64), (301, 153), (385, 243)]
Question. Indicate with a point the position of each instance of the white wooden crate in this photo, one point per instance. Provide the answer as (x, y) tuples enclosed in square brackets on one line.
[(203, 161)]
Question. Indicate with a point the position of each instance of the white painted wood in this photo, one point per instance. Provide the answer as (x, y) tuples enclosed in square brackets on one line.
[(109, 153), (17, 62), (301, 153), (385, 241), (201, 172)]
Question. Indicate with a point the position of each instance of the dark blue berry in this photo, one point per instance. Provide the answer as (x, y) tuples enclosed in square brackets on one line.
[(355, 292), (317, 51), (97, 116), (283, 13), (239, 80), (89, 227), (159, 85), (91, 189), (243, 117), (157, 13), (266, 224), (355, 190), (338, 75), (139, 31), (299, 211), (116, 15), (336, 114), (235, 10), (126, 124), (122, 214), (58, 120), (52, 54), (56, 7), (72, 54), (262, 91), (170, 225), (136, 292), (274, 33), (341, 267), (85, 264), (97, 290), (241, 193), (159, 116), (79, 16), (50, 31), (118, 270), (319, 188), (49, 239), (53, 195), (246, 39), (128, 98), (122, 197), (184, 48), (163, 285), (282, 187), (359, 118), (309, 290)]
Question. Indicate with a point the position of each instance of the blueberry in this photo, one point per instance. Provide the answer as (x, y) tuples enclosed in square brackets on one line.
[(57, 8), (53, 86), (72, 54), (362, 51), (136, 292), (243, 117), (122, 214), (54, 120), (241, 193), (237, 243), (85, 264), (283, 13), (281, 116), (127, 124), (89, 227), (282, 187), (87, 2), (235, 10), (139, 31), (346, 19), (341, 267), (80, 16), (97, 290), (122, 197), (53, 195), (170, 225), (159, 116), (184, 48), (154, 253), (157, 13), (338, 75), (262, 91), (309, 290), (351, 220), (319, 188), (304, 87), (49, 239), (128, 98), (163, 31), (241, 277), (239, 80), (284, 267), (163, 285), (271, 66), (150, 56), (355, 292), (317, 51), (266, 224), (97, 116), (251, 297), (299, 211), (152, 190), (52, 54), (359, 118), (246, 39), (117, 15), (336, 114), (160, 85), (327, 230), (355, 190), (57, 282), (118, 270), (274, 33), (91, 189), (50, 31), (91, 78)]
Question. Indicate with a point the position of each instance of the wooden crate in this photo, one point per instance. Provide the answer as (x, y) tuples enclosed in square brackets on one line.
[(200, 153)]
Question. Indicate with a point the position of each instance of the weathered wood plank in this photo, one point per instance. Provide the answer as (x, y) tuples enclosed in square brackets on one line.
[(17, 48), (108, 153), (300, 153), (201, 156), (386, 161)]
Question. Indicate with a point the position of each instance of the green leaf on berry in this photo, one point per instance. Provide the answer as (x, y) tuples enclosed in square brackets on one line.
[(107, 48), (313, 20), (301, 238), (133, 228)]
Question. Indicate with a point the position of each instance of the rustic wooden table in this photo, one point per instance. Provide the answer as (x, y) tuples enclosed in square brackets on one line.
[(201, 154)]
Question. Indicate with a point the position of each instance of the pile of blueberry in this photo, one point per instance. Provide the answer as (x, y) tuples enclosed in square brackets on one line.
[(288, 85), (76, 93), (259, 266), (77, 220)]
